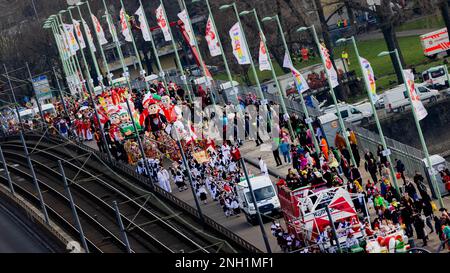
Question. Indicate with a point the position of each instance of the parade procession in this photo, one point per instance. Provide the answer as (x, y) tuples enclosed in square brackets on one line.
[(198, 126)]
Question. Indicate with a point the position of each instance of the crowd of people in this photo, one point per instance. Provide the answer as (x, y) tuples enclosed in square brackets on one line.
[(215, 172)]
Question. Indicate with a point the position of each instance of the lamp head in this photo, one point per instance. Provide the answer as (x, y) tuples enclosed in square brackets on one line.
[(195, 1), (225, 6), (342, 40), (71, 7), (79, 3), (245, 12), (301, 29), (266, 19), (384, 53), (62, 11)]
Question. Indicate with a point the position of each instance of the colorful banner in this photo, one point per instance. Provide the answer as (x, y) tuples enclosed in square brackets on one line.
[(70, 38), (146, 34), (329, 69), (417, 104), (79, 34), (64, 46), (212, 39), (162, 23), (300, 83), (124, 25), (263, 56), (90, 39), (287, 63), (370, 79), (99, 30), (184, 17), (240, 50)]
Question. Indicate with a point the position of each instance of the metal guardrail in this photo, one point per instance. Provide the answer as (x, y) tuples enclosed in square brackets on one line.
[(173, 199)]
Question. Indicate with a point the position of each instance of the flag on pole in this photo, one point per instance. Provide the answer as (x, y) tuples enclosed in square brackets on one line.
[(287, 63), (417, 104), (184, 17), (143, 24), (99, 30), (212, 39), (64, 46), (90, 39), (300, 83), (329, 69), (79, 34), (70, 38), (370, 78), (240, 50), (162, 23), (123, 23), (263, 56)]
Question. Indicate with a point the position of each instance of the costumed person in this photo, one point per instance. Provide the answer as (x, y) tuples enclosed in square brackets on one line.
[(164, 179), (154, 121), (169, 110)]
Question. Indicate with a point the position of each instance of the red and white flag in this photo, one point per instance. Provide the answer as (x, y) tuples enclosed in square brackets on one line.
[(184, 17), (90, 39), (329, 69), (124, 25), (79, 34), (162, 23), (144, 24), (212, 39), (99, 31), (417, 104), (263, 56)]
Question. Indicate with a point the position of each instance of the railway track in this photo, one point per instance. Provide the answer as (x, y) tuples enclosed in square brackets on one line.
[(153, 223)]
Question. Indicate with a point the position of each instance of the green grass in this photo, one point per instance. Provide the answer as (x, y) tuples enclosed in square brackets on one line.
[(431, 21), (382, 66)]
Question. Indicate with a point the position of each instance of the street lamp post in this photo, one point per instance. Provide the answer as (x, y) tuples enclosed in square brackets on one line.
[(333, 95), (274, 75), (431, 171), (386, 151), (155, 50), (224, 57), (202, 63), (100, 80), (102, 52), (71, 77), (308, 119), (138, 55), (177, 56), (252, 65)]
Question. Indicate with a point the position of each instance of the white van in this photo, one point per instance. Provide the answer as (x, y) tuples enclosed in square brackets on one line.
[(265, 194), (46, 109), (27, 114), (350, 113), (435, 77), (396, 99)]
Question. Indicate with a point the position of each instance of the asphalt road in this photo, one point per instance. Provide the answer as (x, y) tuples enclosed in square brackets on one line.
[(18, 236)]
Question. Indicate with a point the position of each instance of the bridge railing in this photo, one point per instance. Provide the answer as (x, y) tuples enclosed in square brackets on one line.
[(127, 169)]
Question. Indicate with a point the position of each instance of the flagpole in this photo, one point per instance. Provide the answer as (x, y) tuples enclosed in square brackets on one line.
[(127, 77), (222, 52), (74, 78), (387, 151), (75, 63), (175, 48), (308, 119), (102, 52), (202, 63), (138, 55), (100, 80), (333, 95), (430, 169), (252, 65), (49, 25), (162, 74), (274, 75), (94, 58)]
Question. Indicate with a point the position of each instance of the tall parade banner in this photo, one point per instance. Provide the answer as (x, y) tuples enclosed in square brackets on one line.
[(263, 56), (240, 50), (187, 26), (162, 23), (300, 83), (79, 34), (124, 25), (70, 38), (370, 79), (212, 39), (329, 69), (90, 39), (146, 34), (417, 104), (99, 30)]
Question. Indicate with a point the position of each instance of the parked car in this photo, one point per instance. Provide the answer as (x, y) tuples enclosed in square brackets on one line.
[(396, 99)]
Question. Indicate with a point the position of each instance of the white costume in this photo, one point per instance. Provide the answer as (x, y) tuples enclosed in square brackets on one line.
[(164, 180)]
